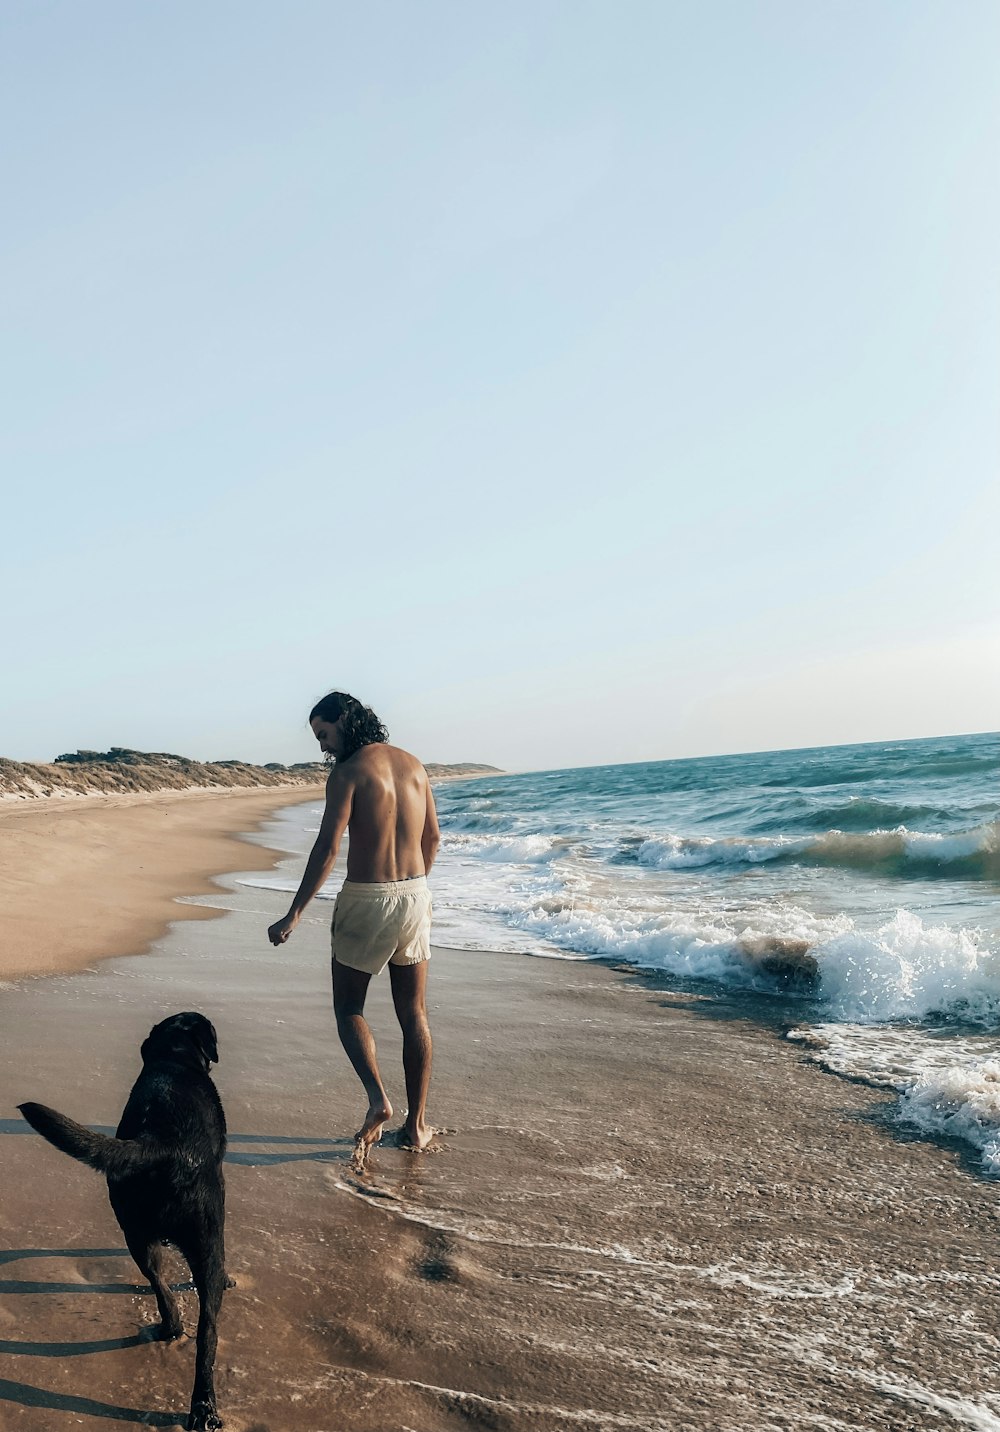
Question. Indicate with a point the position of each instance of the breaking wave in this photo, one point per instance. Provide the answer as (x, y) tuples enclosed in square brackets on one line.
[(964, 855), (508, 849), (904, 969)]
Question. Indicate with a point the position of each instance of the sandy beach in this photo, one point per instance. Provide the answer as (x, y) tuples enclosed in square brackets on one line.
[(648, 1210), (87, 877)]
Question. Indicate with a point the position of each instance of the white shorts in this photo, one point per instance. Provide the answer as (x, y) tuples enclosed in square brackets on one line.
[(378, 925)]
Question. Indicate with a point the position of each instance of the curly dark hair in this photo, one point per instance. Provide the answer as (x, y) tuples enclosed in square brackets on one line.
[(361, 726)]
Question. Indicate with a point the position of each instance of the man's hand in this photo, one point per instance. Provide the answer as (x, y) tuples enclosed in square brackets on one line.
[(279, 932)]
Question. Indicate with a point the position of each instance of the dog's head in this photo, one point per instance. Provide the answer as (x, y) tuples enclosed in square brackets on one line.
[(189, 1037)]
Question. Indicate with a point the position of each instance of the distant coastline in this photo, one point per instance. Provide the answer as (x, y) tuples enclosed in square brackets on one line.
[(460, 771), (121, 771)]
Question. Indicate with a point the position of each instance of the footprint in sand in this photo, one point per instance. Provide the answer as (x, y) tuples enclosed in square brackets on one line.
[(445, 1258), (437, 1264)]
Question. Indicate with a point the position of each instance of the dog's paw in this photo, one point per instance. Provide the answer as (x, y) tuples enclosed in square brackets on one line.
[(230, 1281)]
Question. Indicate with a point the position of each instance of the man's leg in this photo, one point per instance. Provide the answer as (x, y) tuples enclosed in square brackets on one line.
[(409, 985), (349, 990)]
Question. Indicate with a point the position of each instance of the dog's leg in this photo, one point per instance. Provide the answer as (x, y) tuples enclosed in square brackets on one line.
[(208, 1271), (149, 1260)]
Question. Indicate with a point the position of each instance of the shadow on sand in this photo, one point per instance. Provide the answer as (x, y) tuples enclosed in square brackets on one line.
[(24, 1395), (316, 1150)]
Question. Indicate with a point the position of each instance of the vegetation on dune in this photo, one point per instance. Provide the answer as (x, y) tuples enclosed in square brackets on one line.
[(120, 771)]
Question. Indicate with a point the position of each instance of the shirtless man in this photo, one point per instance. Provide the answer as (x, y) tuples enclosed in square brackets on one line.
[(382, 916)]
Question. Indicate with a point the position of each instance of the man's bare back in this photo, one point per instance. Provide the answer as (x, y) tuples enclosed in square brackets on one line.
[(390, 804)]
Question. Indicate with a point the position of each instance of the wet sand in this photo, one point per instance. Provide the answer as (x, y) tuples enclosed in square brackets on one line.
[(85, 877), (649, 1212)]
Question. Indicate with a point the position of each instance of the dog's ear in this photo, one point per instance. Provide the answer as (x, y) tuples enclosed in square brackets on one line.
[(201, 1032), (206, 1039)]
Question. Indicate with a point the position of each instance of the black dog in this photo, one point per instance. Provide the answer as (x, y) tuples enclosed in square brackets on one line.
[(164, 1172)]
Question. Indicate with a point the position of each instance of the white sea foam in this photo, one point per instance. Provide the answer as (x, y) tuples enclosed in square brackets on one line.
[(675, 852), (902, 969), (962, 1101), (982, 839), (506, 850), (961, 1410), (908, 970), (288, 887), (690, 948), (948, 1084)]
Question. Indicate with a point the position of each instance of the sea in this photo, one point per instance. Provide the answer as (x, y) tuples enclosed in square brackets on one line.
[(859, 885)]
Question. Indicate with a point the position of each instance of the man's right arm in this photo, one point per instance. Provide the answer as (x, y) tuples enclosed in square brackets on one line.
[(431, 837), (322, 857)]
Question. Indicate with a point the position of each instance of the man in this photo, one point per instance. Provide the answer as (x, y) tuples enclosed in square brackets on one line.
[(382, 916)]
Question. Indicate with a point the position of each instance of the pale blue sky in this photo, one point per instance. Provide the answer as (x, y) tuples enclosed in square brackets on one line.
[(573, 382)]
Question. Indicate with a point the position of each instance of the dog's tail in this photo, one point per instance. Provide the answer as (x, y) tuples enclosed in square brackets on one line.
[(116, 1158)]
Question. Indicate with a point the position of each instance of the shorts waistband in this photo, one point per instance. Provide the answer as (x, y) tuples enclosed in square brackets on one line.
[(363, 889)]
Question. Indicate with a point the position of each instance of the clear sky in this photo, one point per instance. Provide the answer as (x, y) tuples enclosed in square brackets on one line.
[(572, 382)]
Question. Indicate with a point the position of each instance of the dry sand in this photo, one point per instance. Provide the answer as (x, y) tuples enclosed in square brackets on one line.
[(649, 1213), (94, 876)]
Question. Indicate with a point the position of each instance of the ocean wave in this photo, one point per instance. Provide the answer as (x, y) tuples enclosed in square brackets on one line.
[(685, 948), (471, 821), (903, 969), (885, 766), (957, 765), (863, 814), (963, 855), (801, 779), (677, 852), (507, 849)]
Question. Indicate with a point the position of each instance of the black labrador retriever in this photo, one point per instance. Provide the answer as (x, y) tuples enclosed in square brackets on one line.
[(164, 1172)]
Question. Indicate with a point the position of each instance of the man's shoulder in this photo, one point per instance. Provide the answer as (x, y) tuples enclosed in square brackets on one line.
[(394, 755), (338, 777), (380, 754)]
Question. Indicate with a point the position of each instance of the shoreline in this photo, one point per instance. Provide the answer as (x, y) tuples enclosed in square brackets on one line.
[(97, 876)]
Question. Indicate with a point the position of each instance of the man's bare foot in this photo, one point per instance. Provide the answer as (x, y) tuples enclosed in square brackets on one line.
[(415, 1137), (379, 1112)]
